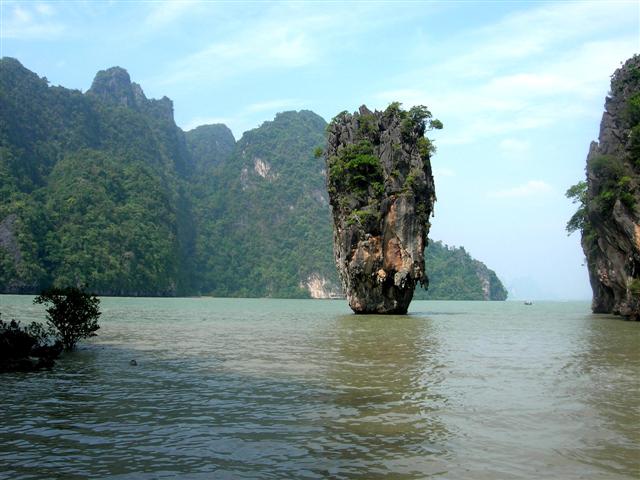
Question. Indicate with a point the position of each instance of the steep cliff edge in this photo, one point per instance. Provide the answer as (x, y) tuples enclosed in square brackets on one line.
[(381, 191), (610, 213)]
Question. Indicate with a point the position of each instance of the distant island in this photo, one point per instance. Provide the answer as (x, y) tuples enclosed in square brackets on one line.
[(102, 189)]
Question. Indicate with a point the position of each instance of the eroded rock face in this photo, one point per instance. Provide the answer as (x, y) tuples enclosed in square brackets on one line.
[(382, 193), (114, 87), (611, 234)]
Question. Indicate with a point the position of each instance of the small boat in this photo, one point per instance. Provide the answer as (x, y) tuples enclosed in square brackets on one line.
[(528, 302)]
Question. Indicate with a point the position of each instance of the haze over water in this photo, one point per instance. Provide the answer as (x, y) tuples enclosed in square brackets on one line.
[(304, 389)]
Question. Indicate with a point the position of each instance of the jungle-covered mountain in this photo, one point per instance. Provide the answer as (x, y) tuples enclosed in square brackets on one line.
[(102, 189)]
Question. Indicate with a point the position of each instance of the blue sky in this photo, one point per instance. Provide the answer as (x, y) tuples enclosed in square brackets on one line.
[(519, 86)]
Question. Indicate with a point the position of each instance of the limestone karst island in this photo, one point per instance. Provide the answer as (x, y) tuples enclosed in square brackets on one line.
[(609, 200), (381, 192)]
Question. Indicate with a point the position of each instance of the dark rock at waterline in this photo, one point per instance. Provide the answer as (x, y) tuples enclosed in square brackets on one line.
[(381, 191), (27, 364)]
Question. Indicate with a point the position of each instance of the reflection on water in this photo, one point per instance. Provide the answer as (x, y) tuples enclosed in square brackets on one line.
[(609, 436), (302, 389), (384, 373)]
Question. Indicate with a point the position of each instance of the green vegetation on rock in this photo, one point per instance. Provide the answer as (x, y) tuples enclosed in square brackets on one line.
[(103, 190), (608, 214), (455, 275), (263, 226), (381, 191), (578, 195), (94, 188), (357, 170)]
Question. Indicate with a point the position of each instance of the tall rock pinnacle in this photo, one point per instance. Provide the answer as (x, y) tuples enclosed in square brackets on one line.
[(610, 213), (381, 192)]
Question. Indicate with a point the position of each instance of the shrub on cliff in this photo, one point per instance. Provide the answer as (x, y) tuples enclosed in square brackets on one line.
[(355, 169), (72, 312), (578, 194)]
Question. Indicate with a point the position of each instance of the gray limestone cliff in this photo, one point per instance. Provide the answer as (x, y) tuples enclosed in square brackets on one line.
[(114, 86), (381, 191), (492, 288), (611, 203)]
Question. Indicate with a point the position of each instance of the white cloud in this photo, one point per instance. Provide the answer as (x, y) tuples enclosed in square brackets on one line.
[(269, 46), (533, 84), (534, 33), (407, 96), (491, 124), (25, 21), (273, 36), (562, 89), (443, 172), (529, 70), (513, 146), (273, 105), (198, 121), (529, 189), (245, 118), (21, 15), (166, 12), (44, 9)]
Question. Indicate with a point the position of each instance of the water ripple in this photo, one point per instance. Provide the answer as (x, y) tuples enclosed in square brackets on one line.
[(302, 389)]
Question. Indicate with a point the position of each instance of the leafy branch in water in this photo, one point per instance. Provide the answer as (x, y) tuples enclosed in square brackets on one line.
[(72, 312), (26, 348)]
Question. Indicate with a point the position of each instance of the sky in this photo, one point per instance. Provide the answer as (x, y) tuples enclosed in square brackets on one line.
[(520, 88)]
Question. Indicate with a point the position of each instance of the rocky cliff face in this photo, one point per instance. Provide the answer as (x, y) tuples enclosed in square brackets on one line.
[(492, 288), (114, 86), (381, 192), (611, 230)]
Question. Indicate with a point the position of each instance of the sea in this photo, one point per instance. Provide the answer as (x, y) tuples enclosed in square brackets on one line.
[(304, 389)]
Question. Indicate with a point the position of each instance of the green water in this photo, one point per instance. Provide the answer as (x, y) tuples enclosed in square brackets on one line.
[(232, 388)]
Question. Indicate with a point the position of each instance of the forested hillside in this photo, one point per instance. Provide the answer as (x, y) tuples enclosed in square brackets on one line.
[(456, 275), (93, 187), (102, 189), (264, 223)]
